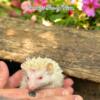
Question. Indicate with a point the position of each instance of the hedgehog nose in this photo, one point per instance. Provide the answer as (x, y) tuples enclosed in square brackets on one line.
[(31, 88)]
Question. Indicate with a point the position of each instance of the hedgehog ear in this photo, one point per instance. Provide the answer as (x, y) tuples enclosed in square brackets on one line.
[(49, 68)]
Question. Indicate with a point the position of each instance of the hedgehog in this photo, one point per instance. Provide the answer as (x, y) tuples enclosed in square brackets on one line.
[(41, 73)]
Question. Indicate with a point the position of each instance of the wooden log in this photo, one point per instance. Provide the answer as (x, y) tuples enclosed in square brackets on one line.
[(77, 51)]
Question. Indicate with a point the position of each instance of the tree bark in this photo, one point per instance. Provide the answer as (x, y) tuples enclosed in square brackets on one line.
[(77, 51)]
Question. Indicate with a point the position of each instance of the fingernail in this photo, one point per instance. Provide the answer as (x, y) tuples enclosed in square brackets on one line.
[(78, 97)]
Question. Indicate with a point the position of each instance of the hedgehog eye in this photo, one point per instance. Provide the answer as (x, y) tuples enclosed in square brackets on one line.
[(40, 78), (33, 70), (28, 77)]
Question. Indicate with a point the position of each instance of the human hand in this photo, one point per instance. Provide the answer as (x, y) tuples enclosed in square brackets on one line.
[(5, 80), (65, 93)]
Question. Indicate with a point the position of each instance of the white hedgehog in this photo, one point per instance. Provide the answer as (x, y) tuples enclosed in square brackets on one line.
[(41, 73)]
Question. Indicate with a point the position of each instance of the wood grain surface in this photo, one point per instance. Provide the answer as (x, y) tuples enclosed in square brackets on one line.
[(77, 51)]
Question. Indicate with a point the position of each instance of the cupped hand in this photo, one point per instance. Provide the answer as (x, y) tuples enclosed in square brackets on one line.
[(10, 84)]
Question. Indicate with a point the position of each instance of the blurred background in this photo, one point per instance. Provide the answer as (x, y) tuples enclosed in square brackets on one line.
[(75, 13)]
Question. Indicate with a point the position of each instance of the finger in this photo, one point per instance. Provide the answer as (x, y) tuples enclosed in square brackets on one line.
[(4, 74), (4, 98), (68, 82), (54, 92), (78, 97), (15, 79), (70, 90), (14, 93), (68, 97)]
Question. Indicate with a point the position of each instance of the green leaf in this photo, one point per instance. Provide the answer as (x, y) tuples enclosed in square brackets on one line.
[(54, 17), (56, 2)]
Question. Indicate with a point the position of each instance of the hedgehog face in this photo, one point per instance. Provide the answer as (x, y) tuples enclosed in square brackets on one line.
[(38, 78), (41, 73)]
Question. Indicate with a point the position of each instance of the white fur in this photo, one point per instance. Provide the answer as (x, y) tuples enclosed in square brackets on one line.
[(41, 63)]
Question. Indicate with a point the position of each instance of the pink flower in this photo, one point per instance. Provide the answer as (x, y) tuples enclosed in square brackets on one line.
[(90, 6), (27, 7), (40, 3), (16, 3)]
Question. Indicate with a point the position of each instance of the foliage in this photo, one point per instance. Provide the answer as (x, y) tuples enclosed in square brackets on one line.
[(78, 13)]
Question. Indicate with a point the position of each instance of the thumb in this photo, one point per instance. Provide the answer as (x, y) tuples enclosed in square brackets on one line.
[(4, 74)]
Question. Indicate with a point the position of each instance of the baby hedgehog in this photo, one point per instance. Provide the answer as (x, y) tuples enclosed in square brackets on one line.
[(41, 73)]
